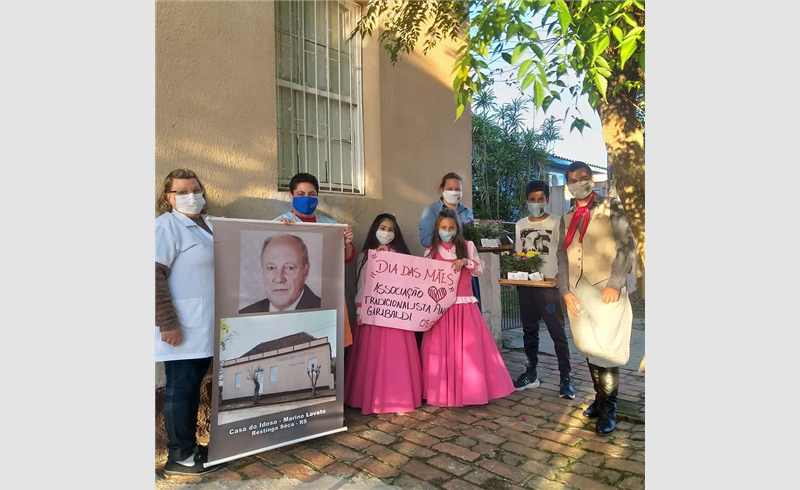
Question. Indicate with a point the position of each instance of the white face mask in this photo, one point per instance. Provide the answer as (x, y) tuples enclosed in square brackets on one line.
[(385, 237), (190, 203), (536, 209), (452, 197), (581, 190)]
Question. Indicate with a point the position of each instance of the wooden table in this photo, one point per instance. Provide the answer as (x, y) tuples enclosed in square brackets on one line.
[(547, 283)]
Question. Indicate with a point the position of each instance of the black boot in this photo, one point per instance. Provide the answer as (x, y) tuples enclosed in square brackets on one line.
[(592, 411), (609, 387)]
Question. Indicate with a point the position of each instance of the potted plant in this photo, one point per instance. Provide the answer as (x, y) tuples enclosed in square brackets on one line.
[(485, 228), (530, 261)]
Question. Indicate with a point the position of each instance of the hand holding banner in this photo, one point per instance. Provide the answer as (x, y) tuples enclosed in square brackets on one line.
[(407, 292)]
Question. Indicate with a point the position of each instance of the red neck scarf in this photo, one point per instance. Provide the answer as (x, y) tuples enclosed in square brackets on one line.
[(312, 219), (573, 224)]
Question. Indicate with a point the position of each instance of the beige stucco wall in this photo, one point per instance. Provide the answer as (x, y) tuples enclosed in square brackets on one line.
[(216, 114), (292, 372)]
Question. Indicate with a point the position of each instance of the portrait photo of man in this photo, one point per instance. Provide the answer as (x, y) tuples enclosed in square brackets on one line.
[(285, 270)]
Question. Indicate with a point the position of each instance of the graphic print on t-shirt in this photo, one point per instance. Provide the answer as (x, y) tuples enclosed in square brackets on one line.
[(536, 240)]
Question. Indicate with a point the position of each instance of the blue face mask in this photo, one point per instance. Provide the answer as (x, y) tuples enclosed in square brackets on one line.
[(305, 204), (447, 236)]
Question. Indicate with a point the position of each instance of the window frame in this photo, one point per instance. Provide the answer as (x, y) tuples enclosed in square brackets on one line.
[(357, 164)]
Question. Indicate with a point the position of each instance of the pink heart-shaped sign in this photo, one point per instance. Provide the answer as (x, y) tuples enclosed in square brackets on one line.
[(437, 294)]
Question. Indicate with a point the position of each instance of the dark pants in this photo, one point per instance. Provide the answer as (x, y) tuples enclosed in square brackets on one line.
[(476, 291), (543, 303), (181, 402)]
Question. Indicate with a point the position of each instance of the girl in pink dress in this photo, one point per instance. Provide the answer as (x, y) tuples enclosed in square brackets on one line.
[(383, 371), (460, 361)]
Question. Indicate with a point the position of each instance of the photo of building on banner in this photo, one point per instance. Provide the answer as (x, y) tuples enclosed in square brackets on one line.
[(270, 364), (407, 292), (280, 311)]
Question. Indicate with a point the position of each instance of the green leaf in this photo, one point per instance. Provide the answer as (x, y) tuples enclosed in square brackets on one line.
[(538, 93), (602, 84), (626, 50), (633, 33), (630, 20), (512, 30), (524, 68), (518, 51), (616, 89), (562, 69), (542, 74), (528, 81), (594, 98), (617, 33), (457, 83), (580, 51), (601, 62), (563, 14), (528, 32), (536, 49), (579, 124), (641, 60), (600, 46), (546, 103), (603, 71), (459, 111), (507, 57), (560, 83)]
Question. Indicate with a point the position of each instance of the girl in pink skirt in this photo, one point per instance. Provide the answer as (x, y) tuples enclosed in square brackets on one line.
[(382, 372), (460, 361)]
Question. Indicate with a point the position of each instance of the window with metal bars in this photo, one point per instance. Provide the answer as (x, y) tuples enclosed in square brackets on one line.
[(319, 94)]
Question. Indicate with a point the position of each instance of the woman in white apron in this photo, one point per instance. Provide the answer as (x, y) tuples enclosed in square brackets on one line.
[(184, 314)]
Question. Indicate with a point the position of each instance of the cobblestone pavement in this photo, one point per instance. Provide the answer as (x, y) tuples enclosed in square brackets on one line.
[(529, 439)]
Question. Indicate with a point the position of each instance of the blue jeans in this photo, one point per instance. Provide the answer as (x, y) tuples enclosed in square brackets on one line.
[(545, 304), (181, 402)]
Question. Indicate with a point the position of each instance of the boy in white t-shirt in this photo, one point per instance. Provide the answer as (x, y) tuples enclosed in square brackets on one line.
[(540, 232)]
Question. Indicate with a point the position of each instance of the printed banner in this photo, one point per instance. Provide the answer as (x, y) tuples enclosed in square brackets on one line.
[(407, 292), (280, 310)]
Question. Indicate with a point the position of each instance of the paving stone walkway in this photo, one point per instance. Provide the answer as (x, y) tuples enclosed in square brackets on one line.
[(529, 439)]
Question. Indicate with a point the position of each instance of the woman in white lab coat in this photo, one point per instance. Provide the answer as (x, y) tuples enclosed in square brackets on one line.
[(184, 313)]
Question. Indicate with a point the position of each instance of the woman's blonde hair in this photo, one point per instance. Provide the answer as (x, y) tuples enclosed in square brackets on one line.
[(162, 204)]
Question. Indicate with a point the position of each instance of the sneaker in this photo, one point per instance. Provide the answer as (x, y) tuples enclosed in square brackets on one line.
[(173, 468), (566, 390), (201, 450), (526, 381)]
